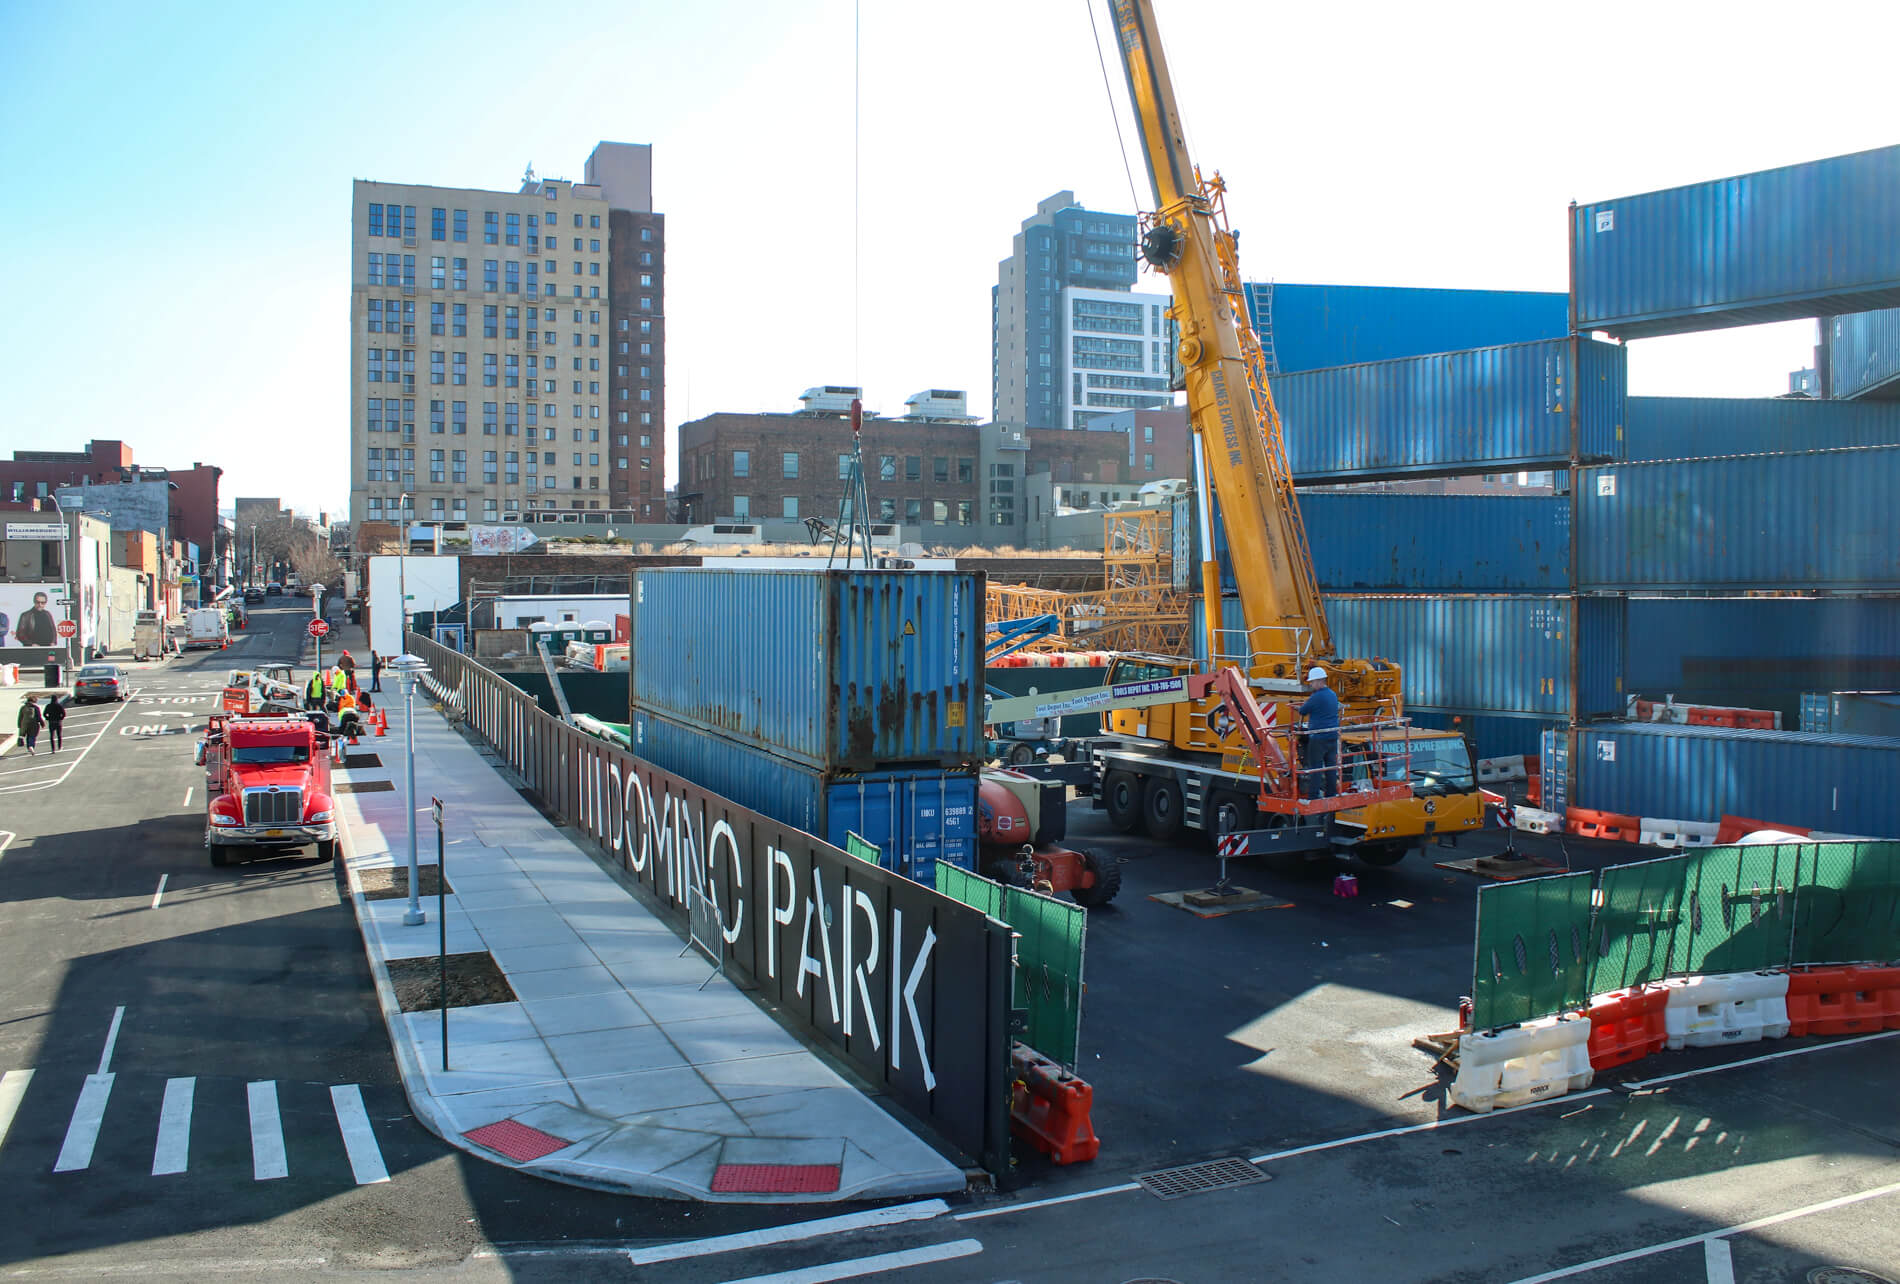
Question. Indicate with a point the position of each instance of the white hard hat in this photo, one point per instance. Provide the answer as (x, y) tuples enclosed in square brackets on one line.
[(1316, 674)]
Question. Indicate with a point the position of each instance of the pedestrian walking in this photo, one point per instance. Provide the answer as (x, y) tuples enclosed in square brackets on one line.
[(375, 673), (55, 716), (347, 663), (31, 720)]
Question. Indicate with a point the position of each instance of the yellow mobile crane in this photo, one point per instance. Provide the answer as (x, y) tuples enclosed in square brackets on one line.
[(1188, 763)]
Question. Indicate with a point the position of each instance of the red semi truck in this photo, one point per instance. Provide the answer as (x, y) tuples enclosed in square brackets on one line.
[(267, 787)]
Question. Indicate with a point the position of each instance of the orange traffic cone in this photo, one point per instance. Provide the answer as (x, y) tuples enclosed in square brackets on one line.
[(382, 722)]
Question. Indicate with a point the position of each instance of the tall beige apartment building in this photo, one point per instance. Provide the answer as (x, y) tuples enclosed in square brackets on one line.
[(507, 349)]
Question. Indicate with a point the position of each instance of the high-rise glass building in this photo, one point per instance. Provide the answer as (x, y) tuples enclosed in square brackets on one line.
[(1070, 339)]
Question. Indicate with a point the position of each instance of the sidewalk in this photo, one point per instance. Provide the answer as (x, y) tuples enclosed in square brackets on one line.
[(614, 1069)]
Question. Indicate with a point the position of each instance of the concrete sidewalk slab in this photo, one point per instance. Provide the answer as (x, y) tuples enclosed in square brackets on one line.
[(647, 1071)]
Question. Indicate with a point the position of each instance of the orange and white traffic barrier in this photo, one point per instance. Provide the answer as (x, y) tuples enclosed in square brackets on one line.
[(1627, 1025), (1609, 825), (1536, 1061), (1843, 1000), (1728, 1007), (1656, 831), (1049, 1107)]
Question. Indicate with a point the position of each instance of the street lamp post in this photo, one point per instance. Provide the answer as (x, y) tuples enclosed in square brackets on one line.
[(316, 611), (409, 668)]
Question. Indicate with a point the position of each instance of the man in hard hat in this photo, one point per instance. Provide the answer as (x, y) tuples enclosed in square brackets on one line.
[(1321, 711)]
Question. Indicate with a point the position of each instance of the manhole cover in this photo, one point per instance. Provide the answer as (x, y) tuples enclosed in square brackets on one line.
[(1844, 1275), (1192, 1179)]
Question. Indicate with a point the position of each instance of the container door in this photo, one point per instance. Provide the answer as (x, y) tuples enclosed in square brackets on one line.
[(872, 809), (940, 824)]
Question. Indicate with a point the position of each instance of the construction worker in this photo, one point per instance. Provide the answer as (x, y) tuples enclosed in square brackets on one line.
[(314, 690), (347, 663), (1321, 711), (339, 683), (348, 720)]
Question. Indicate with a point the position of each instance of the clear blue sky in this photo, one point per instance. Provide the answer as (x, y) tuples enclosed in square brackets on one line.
[(177, 213)]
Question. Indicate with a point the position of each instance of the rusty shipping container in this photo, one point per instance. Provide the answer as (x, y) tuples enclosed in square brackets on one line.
[(853, 670)]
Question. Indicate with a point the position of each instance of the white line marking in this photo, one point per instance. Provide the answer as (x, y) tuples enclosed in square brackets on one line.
[(1122, 1189), (112, 1039), (12, 1090), (173, 1151), (188, 793), (359, 1139), (1718, 1261), (161, 889), (49, 784), (6, 840), (1766, 1056), (83, 1131), (1740, 1228), (268, 1159), (858, 1266), (1429, 1126), (922, 1210)]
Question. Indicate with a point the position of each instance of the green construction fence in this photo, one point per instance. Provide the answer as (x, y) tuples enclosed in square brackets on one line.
[(1545, 945), (1049, 951)]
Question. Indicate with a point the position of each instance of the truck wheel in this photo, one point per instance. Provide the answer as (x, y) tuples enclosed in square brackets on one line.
[(1381, 855), (1108, 881), (1231, 813), (1122, 794), (326, 850), (1161, 808), (219, 857), (1019, 755)]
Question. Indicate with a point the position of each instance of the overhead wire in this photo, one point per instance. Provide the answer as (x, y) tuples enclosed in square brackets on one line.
[(1108, 91)]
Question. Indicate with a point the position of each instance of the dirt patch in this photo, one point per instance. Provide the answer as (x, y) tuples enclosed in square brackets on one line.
[(473, 980), (388, 884)]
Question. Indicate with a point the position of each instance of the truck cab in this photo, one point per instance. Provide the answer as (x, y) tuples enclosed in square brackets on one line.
[(267, 787)]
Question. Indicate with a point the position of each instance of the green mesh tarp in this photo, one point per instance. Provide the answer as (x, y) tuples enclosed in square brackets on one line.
[(1737, 911), (1533, 956), (1049, 951), (1638, 908), (1847, 909)]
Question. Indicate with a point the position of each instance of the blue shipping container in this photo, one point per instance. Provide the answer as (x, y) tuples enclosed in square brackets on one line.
[(916, 817), (1805, 240), (1493, 655), (1820, 519), (1863, 355), (1704, 427), (1483, 410), (837, 669), (1760, 652), (1491, 735), (1315, 326), (1840, 784)]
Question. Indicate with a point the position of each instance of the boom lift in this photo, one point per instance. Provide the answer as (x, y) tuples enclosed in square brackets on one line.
[(1186, 764)]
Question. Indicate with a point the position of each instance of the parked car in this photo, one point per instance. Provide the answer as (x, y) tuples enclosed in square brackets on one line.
[(99, 682), (253, 594), (274, 589)]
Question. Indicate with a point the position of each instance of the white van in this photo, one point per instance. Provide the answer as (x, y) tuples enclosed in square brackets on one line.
[(205, 627)]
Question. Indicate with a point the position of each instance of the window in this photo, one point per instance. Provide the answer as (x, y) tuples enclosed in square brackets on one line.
[(966, 472), (646, 234), (436, 416), (461, 321), (491, 227), (1148, 461), (788, 465), (461, 225), (458, 418), (460, 471), (593, 460), (489, 410), (490, 312), (375, 311), (514, 467), (436, 510), (940, 469), (512, 425), (913, 510), (490, 376), (435, 367), (459, 270), (375, 220), (438, 272), (741, 463), (913, 467), (461, 367), (438, 313), (742, 506), (409, 221), (514, 229), (1148, 434), (512, 284), (887, 510), (436, 473), (887, 467), (646, 305), (438, 225), (375, 464), (376, 269), (939, 512), (963, 513)]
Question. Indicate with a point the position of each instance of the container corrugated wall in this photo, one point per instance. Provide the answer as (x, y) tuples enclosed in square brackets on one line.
[(851, 669), (1820, 519), (1805, 240), (1403, 543), (1840, 784), (1495, 655), (1704, 427), (1491, 735), (1315, 326), (1863, 356), (1761, 652), (1488, 409)]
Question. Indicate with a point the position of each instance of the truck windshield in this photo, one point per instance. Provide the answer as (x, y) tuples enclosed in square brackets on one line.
[(1441, 766), (272, 755)]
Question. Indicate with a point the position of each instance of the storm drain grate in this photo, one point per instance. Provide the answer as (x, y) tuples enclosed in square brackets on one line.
[(355, 761), (1192, 1179), (365, 787)]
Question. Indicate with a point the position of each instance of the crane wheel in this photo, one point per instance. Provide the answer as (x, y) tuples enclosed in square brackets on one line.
[(1108, 881), (1161, 808), (1121, 793)]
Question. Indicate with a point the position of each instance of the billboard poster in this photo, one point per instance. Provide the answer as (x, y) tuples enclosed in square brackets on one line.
[(90, 604), (29, 615), (488, 541)]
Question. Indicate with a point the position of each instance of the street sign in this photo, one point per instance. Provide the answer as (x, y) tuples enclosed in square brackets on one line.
[(317, 628), (36, 530), (62, 601), (67, 628)]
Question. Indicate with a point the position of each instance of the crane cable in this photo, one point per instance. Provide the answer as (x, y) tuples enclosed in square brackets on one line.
[(1109, 91)]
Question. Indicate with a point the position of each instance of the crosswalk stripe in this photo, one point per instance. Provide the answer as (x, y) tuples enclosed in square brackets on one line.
[(366, 1157), (12, 1089), (268, 1159), (83, 1131), (173, 1151)]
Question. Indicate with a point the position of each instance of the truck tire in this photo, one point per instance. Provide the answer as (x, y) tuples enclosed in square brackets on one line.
[(1108, 881), (1381, 855), (1230, 812), (1161, 808), (326, 850), (219, 857), (1121, 792), (1021, 755)]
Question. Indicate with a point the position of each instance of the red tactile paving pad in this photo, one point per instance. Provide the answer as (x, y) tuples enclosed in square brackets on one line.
[(775, 1179), (517, 1141)]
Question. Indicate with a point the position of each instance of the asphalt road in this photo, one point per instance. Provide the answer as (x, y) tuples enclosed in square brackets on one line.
[(198, 1025)]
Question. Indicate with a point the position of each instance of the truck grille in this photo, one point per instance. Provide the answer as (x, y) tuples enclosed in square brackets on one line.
[(273, 806)]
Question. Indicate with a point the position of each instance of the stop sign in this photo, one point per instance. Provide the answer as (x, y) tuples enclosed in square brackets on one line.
[(67, 628), (317, 628)]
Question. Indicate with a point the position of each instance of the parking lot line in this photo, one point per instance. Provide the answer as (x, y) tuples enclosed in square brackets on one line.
[(173, 1151), (268, 1157)]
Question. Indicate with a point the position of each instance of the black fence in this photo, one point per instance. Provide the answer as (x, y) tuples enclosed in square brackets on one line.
[(908, 986)]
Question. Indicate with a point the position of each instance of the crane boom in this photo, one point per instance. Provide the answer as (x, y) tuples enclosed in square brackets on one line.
[(1243, 457)]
